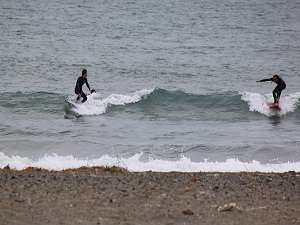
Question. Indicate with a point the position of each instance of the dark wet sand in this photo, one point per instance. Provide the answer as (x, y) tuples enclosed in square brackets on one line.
[(94, 196)]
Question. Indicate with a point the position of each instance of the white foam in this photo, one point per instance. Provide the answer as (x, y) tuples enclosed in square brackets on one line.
[(259, 103), (134, 163), (96, 106)]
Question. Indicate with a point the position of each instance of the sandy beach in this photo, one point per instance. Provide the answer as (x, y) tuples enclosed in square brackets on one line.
[(113, 196)]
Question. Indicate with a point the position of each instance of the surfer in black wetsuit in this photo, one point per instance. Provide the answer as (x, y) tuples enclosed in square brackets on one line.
[(280, 86), (80, 82)]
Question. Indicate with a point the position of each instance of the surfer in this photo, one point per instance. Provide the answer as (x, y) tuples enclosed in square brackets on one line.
[(80, 82), (278, 89)]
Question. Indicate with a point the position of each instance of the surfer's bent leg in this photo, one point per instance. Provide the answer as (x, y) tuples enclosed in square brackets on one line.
[(78, 95), (276, 93), (279, 93), (84, 97)]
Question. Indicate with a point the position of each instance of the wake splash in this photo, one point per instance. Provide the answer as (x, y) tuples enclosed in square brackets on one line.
[(97, 106), (135, 164), (259, 103)]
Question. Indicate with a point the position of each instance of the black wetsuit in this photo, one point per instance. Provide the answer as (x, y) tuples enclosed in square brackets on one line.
[(278, 89), (78, 88)]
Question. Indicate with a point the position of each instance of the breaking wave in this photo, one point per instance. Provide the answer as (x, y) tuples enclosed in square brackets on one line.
[(173, 101), (95, 105), (156, 100)]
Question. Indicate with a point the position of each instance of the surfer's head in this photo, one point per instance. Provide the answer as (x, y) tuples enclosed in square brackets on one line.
[(84, 73), (275, 77)]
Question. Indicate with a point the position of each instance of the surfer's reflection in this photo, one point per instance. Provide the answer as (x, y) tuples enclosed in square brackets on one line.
[(275, 120)]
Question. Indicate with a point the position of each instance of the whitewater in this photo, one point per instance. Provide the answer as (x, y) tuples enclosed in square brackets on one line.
[(135, 164), (96, 106)]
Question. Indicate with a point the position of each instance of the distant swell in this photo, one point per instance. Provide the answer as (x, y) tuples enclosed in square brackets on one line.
[(134, 163)]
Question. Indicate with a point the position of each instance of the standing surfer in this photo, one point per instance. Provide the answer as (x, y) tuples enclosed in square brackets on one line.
[(80, 82), (278, 89)]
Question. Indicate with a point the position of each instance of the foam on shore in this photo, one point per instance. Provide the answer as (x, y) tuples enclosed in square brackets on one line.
[(135, 164)]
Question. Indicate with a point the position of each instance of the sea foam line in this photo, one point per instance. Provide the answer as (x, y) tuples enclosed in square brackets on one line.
[(134, 163)]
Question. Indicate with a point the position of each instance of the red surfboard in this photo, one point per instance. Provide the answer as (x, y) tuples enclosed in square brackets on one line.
[(274, 106)]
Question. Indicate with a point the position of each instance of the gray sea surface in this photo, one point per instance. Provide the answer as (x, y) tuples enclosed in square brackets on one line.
[(173, 79)]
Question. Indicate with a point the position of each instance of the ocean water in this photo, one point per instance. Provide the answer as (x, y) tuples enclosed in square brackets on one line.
[(175, 84)]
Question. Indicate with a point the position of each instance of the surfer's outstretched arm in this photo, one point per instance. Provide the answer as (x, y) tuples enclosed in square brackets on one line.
[(264, 80)]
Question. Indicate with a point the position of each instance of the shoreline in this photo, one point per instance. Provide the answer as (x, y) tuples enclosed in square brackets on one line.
[(112, 195)]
